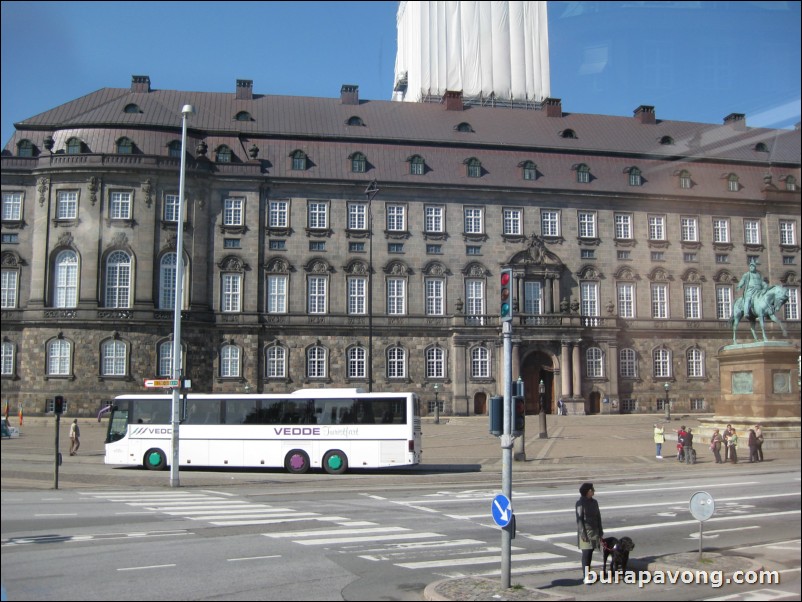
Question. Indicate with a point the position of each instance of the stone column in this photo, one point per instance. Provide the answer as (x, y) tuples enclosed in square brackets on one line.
[(613, 375), (565, 369), (548, 294), (576, 370), (458, 381)]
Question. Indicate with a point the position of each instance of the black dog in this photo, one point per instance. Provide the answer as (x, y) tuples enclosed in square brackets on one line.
[(619, 549)]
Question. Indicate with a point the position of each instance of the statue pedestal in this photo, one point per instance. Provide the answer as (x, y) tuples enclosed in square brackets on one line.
[(759, 385)]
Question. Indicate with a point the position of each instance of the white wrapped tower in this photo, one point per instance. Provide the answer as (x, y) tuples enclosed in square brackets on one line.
[(490, 51)]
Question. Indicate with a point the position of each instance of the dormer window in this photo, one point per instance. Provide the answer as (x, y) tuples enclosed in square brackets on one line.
[(732, 183), (224, 154), (666, 140), (761, 147), (790, 183), (74, 146), (474, 167), (125, 146), (417, 166), (359, 163), (174, 149), (132, 108), (529, 170), (464, 127), (685, 179), (25, 148), (635, 178), (568, 134), (243, 116), (299, 161), (355, 121), (583, 174)]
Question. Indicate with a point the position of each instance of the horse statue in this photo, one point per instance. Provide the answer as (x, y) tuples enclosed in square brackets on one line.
[(764, 303)]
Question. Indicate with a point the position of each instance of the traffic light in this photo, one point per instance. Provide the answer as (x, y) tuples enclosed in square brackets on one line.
[(506, 296), (58, 404), (519, 415), (496, 414)]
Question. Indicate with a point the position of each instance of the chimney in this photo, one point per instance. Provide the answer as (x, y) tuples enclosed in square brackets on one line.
[(244, 89), (737, 121), (645, 114), (349, 94), (554, 107), (140, 83), (453, 100)]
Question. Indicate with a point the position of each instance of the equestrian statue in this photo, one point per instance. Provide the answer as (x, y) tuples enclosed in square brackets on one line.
[(759, 300)]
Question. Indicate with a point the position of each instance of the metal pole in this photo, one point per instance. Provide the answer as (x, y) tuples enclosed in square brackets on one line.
[(55, 468), (370, 192), (544, 434), (506, 456), (667, 404), (186, 111)]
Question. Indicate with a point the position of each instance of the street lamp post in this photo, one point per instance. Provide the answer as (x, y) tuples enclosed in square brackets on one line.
[(436, 387), (186, 111), (543, 432), (667, 402), (370, 192)]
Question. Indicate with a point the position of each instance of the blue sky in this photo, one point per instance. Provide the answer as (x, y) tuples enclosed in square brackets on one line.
[(693, 61)]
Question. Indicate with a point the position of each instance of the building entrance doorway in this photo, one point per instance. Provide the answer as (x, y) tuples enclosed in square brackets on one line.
[(480, 404), (535, 367)]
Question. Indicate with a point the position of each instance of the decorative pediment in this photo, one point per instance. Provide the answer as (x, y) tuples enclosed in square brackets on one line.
[(65, 240), (475, 270), (397, 268), (232, 264), (790, 278), (659, 275), (357, 267), (693, 275), (589, 272), (278, 265), (436, 268), (725, 277), (119, 240), (626, 273), (536, 253), (318, 266)]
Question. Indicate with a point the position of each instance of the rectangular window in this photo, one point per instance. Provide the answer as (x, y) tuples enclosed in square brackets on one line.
[(533, 297), (690, 229), (434, 297), (277, 245), (474, 301), (658, 256), (12, 206), (722, 258), (120, 205), (751, 232), (278, 214), (357, 216), (587, 224), (396, 296), (434, 219), (434, 249), (396, 218), (170, 207), (395, 247), (660, 301), (789, 260), (549, 223), (723, 302), (232, 293), (356, 247), (473, 221), (231, 243), (626, 299), (623, 226), (589, 292), (357, 296), (587, 254), (10, 238), (317, 245), (318, 215), (317, 294), (689, 257), (233, 212), (693, 302), (662, 363), (721, 230), (787, 232), (792, 305), (8, 289), (67, 204), (657, 227), (276, 294), (623, 255), (473, 250), (627, 363), (695, 364), (513, 222)]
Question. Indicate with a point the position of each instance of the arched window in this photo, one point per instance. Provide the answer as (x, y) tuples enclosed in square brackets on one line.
[(480, 362), (167, 268), (761, 147), (224, 154), (732, 183), (113, 358), (474, 167), (583, 174), (790, 183), (118, 280), (74, 146), (276, 362), (568, 134), (125, 146), (229, 361), (661, 360), (132, 108), (529, 170), (435, 362), (628, 363), (594, 362), (25, 148), (417, 165), (359, 163), (66, 280), (165, 359), (299, 160), (695, 363), (635, 178), (174, 149), (464, 127), (355, 121), (59, 352), (685, 179), (357, 362), (396, 362), (243, 116), (8, 362), (316, 364), (666, 140)]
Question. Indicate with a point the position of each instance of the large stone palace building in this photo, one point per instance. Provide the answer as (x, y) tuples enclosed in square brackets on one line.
[(347, 242)]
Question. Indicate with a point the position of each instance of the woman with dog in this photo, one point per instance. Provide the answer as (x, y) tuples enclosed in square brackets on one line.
[(588, 525)]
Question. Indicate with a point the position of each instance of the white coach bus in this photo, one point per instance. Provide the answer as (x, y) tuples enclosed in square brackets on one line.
[(333, 429)]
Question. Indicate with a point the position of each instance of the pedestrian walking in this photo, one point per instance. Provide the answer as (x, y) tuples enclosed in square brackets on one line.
[(759, 435), (659, 438), (75, 437), (752, 443), (725, 438), (588, 526), (715, 445), (687, 447)]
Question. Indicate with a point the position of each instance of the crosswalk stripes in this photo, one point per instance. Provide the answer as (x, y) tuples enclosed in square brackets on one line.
[(404, 547)]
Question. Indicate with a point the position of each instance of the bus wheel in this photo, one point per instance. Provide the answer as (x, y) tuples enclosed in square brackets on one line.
[(155, 459), (335, 462), (296, 461)]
